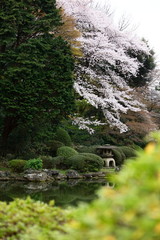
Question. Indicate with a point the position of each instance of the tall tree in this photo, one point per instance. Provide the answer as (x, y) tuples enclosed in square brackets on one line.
[(70, 33), (35, 66), (105, 69)]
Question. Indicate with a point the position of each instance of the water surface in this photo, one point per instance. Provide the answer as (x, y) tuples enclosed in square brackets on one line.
[(64, 193)]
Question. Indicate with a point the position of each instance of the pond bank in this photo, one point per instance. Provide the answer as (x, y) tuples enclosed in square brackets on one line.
[(49, 175)]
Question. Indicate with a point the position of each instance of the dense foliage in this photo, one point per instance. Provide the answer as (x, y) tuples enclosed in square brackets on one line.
[(35, 66), (85, 162), (130, 211), (66, 152), (17, 165), (34, 164), (30, 220), (63, 136)]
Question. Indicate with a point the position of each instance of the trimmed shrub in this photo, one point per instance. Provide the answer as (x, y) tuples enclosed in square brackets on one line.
[(35, 163), (63, 136), (85, 162), (66, 152), (53, 147), (76, 162), (51, 162), (17, 165), (117, 156), (128, 151), (30, 220), (93, 162), (87, 149), (57, 162), (47, 161), (131, 211)]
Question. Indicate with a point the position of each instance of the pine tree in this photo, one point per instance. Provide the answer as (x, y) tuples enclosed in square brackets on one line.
[(35, 66)]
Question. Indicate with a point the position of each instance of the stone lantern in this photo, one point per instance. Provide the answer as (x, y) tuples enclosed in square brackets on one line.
[(106, 153)]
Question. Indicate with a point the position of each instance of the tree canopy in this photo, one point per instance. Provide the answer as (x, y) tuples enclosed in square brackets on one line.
[(36, 79), (105, 72)]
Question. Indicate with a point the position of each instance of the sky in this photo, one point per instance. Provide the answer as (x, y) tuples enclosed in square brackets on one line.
[(143, 15)]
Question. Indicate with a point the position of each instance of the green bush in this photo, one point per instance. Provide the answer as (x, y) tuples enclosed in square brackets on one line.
[(35, 163), (131, 211), (9, 156), (63, 136), (117, 156), (57, 162), (17, 165), (47, 161), (93, 162), (51, 162), (128, 151), (76, 162), (85, 162), (30, 220), (53, 147), (87, 149), (66, 152)]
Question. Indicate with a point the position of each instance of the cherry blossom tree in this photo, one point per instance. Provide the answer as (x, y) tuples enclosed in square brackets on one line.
[(106, 65)]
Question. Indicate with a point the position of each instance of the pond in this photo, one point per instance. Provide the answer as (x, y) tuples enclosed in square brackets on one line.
[(64, 193)]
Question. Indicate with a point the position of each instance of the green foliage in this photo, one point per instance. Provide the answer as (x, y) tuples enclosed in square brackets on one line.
[(35, 163), (66, 152), (82, 136), (92, 162), (87, 149), (17, 165), (57, 162), (35, 66), (147, 64), (53, 146), (63, 136), (10, 156), (85, 162), (51, 162), (30, 220), (47, 161), (123, 152), (128, 151), (131, 211), (76, 162), (117, 155)]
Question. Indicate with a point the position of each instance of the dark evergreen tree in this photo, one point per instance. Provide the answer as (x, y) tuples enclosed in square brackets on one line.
[(35, 66), (147, 64)]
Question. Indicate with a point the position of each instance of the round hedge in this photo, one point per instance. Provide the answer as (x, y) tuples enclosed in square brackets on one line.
[(63, 136), (47, 161), (87, 149), (85, 162), (128, 151), (51, 162), (53, 147), (66, 152), (129, 212), (117, 157), (17, 165)]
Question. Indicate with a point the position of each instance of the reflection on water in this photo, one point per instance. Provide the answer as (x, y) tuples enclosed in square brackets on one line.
[(63, 193)]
